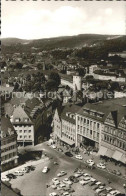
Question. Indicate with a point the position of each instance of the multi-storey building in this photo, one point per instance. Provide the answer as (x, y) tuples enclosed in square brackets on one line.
[(102, 125), (113, 140), (89, 125), (9, 156), (65, 124), (23, 126)]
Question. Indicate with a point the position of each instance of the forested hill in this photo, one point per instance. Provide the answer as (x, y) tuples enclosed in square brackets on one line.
[(78, 41)]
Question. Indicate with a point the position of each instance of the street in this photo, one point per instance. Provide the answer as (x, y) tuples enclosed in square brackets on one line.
[(34, 183)]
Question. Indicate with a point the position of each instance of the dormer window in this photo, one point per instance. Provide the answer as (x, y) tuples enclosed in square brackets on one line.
[(17, 119), (26, 119), (86, 111), (68, 114)]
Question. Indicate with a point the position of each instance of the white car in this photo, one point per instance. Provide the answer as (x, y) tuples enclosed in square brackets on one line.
[(4, 179), (108, 189), (84, 181), (93, 180), (114, 192), (62, 173), (101, 165), (54, 186), (78, 174), (79, 157), (55, 181), (100, 189), (62, 185), (45, 170), (66, 194), (86, 174), (53, 194), (67, 181), (98, 183), (90, 162), (53, 146)]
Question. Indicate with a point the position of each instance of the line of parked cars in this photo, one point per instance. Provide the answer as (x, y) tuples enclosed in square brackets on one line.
[(19, 172), (64, 186)]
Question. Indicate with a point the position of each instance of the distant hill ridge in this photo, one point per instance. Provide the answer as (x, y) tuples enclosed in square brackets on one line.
[(76, 41)]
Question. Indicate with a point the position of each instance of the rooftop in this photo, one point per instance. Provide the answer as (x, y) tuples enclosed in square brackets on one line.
[(105, 108)]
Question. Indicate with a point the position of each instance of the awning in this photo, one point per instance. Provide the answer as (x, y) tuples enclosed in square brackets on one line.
[(123, 158), (109, 153), (68, 141), (117, 155), (102, 151)]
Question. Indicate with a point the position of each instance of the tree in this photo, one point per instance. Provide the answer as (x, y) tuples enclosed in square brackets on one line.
[(55, 76), (19, 65), (16, 86), (51, 85), (81, 71)]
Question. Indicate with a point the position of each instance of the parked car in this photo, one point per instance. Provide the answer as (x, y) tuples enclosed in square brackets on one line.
[(54, 186), (90, 162), (53, 146), (67, 181), (78, 174), (73, 179), (66, 194), (18, 173), (11, 176), (101, 166), (84, 181), (100, 189), (79, 157), (55, 181), (62, 185), (55, 163), (5, 179), (86, 174), (69, 154), (53, 194), (60, 149), (31, 168), (45, 170), (108, 189), (114, 192), (62, 173)]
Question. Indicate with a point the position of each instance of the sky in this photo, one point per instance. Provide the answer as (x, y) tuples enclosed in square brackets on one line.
[(44, 19)]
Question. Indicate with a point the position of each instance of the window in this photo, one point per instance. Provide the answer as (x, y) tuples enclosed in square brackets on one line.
[(20, 136), (20, 131), (17, 119), (29, 131), (25, 131), (29, 136), (25, 136)]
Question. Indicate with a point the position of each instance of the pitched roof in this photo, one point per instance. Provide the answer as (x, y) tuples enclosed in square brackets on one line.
[(113, 106), (20, 114), (72, 109)]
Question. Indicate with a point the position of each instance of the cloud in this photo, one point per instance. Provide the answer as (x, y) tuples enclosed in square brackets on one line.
[(108, 11), (63, 20)]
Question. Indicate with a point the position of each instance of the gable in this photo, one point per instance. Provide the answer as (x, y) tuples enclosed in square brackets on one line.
[(122, 123), (110, 120)]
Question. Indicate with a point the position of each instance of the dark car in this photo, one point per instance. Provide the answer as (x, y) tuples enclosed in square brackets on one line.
[(60, 149), (11, 176), (69, 154), (30, 168), (73, 179)]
